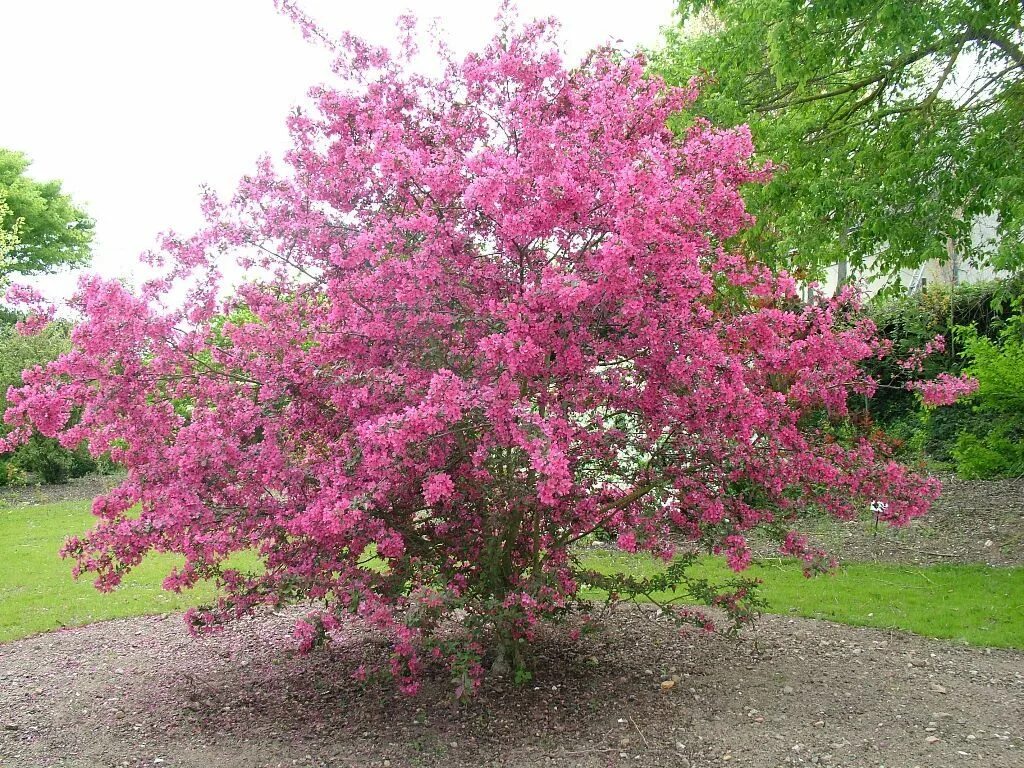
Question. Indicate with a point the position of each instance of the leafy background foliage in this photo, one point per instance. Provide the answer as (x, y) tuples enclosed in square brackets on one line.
[(981, 437), (41, 459), (51, 230), (896, 124)]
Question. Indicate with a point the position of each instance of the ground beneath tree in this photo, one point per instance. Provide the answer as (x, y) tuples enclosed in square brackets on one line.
[(793, 692), (77, 489)]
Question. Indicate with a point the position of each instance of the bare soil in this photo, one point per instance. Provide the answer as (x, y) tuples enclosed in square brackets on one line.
[(77, 489), (975, 521), (793, 692)]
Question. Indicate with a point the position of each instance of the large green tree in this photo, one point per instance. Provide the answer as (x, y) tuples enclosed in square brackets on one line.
[(896, 123), (51, 230), (9, 226)]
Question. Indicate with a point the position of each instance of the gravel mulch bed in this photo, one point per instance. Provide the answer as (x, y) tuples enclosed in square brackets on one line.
[(973, 521), (140, 692), (78, 489)]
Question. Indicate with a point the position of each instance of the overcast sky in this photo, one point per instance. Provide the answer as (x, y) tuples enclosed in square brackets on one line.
[(135, 104)]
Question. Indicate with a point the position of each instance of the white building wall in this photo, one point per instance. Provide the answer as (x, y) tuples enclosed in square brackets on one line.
[(935, 271)]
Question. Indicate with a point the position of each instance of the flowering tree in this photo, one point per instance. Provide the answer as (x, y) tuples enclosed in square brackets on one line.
[(495, 313)]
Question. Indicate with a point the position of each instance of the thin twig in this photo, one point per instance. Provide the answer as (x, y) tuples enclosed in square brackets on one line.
[(646, 743)]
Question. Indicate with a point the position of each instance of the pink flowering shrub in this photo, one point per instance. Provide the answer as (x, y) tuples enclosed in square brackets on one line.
[(487, 315)]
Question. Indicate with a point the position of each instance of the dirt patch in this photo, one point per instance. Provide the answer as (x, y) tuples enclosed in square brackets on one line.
[(793, 692), (78, 489), (973, 521)]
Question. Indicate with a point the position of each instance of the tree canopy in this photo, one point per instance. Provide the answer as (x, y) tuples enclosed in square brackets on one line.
[(9, 227), (41, 228), (896, 124)]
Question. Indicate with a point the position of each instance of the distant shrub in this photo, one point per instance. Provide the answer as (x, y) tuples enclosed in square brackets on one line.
[(51, 463), (912, 320), (10, 474), (42, 459), (992, 443)]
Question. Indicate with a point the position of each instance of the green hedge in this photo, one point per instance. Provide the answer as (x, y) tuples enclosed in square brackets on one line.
[(42, 459), (992, 443), (977, 321)]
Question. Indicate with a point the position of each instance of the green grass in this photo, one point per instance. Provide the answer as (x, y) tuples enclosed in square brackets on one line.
[(974, 604), (37, 592)]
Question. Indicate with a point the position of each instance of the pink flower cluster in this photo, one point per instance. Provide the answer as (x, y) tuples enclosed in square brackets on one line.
[(488, 314), (944, 389), (38, 311), (914, 362)]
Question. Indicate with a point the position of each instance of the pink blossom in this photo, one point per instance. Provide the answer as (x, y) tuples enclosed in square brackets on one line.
[(437, 488), (945, 389), (627, 541), (38, 312), (306, 634), (737, 552)]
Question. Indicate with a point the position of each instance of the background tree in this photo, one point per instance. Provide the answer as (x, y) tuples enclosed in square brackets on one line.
[(9, 226), (52, 231), (897, 123)]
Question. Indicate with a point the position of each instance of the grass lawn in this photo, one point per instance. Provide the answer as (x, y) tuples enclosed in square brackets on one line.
[(37, 592), (975, 604)]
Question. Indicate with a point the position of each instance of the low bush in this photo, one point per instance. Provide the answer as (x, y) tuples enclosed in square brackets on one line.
[(49, 462), (41, 459), (991, 444), (986, 311)]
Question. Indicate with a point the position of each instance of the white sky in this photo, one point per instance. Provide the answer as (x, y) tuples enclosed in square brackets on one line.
[(135, 103)]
